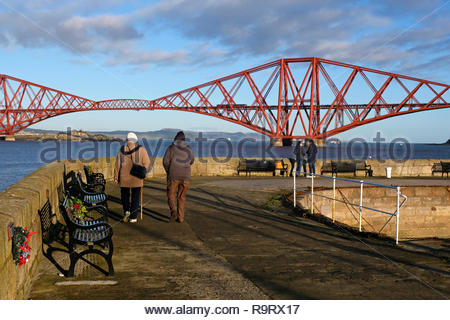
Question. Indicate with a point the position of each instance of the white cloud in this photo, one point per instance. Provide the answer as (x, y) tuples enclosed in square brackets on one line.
[(382, 34)]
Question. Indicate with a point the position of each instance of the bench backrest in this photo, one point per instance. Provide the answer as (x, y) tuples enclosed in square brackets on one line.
[(64, 208), (256, 164), (327, 165), (46, 217), (262, 164), (71, 183), (343, 165), (445, 166)]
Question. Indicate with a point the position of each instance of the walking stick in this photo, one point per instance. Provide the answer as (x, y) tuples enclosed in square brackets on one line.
[(142, 195)]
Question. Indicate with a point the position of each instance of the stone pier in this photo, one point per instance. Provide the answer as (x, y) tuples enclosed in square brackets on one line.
[(8, 138)]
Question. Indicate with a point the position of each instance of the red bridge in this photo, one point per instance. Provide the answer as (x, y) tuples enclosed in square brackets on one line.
[(287, 98)]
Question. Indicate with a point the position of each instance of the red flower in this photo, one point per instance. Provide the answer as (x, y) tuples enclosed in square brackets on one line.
[(76, 206)]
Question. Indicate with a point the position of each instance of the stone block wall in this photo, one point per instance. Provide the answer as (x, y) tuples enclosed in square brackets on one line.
[(426, 213)]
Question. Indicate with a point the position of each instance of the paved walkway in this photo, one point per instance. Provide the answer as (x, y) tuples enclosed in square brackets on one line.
[(231, 247)]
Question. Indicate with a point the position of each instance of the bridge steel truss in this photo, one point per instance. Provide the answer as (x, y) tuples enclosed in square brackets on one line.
[(286, 98)]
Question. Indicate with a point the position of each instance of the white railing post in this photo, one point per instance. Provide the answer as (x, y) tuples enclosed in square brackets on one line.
[(334, 199), (295, 190), (354, 203), (312, 193), (398, 214), (360, 204)]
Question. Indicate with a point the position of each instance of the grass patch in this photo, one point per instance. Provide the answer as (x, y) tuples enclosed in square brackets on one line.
[(277, 201)]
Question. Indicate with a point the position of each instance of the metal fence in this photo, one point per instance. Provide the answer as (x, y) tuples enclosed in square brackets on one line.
[(360, 205)]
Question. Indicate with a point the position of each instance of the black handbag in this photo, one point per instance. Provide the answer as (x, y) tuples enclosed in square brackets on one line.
[(137, 170)]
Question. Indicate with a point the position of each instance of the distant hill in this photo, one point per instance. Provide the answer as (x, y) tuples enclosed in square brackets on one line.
[(167, 133)]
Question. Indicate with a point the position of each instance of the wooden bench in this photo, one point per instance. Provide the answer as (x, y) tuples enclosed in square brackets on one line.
[(253, 165), (343, 167), (92, 234), (442, 167), (75, 187), (351, 166)]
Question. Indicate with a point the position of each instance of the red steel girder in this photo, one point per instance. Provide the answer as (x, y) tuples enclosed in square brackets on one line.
[(266, 99)]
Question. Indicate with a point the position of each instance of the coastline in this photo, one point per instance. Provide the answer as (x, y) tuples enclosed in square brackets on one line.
[(74, 135)]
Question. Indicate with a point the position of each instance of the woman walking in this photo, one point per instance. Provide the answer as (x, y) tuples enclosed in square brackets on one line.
[(131, 155)]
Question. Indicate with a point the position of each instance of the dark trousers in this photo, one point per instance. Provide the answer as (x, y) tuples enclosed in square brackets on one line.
[(301, 166), (133, 205), (312, 167)]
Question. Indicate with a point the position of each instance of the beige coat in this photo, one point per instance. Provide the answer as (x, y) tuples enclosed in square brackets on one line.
[(124, 165)]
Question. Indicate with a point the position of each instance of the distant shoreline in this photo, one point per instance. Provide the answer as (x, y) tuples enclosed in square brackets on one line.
[(440, 144), (74, 135)]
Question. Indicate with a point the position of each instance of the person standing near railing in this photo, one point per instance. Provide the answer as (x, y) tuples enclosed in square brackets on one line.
[(299, 152), (311, 152)]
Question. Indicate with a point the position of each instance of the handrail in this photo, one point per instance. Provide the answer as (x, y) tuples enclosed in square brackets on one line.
[(313, 176)]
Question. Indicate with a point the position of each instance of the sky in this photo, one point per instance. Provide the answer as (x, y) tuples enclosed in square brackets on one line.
[(104, 49)]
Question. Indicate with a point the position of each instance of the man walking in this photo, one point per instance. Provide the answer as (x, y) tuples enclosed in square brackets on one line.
[(311, 153), (177, 163), (299, 152)]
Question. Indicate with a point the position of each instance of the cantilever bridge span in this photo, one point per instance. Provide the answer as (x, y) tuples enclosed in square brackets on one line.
[(286, 98)]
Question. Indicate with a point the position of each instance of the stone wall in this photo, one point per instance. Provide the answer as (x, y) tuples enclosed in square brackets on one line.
[(209, 166), (425, 214), (20, 204)]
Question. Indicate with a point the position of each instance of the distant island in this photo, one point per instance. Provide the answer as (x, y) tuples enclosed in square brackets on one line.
[(120, 135), (73, 135), (169, 134), (440, 144)]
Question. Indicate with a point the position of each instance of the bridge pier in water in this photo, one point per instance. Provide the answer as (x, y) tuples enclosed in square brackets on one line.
[(7, 138), (280, 142)]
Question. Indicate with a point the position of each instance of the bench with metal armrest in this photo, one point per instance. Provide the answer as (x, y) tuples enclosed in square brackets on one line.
[(75, 187), (349, 166), (255, 165), (441, 167), (94, 235), (94, 178)]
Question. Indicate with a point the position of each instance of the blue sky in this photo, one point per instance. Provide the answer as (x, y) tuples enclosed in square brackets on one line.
[(103, 49)]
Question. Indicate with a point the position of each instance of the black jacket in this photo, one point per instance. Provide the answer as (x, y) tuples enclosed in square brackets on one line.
[(299, 152), (311, 152)]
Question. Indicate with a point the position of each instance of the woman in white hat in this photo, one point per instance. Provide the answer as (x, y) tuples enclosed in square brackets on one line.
[(129, 154)]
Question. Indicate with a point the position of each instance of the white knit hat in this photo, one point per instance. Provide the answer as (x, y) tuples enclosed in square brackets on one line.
[(132, 137)]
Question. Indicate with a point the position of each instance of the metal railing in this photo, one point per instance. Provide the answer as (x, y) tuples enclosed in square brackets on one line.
[(360, 205)]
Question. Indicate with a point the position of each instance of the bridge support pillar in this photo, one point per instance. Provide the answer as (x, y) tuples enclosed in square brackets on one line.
[(8, 138), (280, 142)]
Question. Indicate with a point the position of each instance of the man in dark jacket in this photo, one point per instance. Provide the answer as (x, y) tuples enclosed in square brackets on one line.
[(311, 153), (299, 152), (177, 163)]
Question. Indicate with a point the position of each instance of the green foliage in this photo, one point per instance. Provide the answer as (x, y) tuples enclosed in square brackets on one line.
[(277, 201), (78, 208), (273, 202), (20, 248)]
